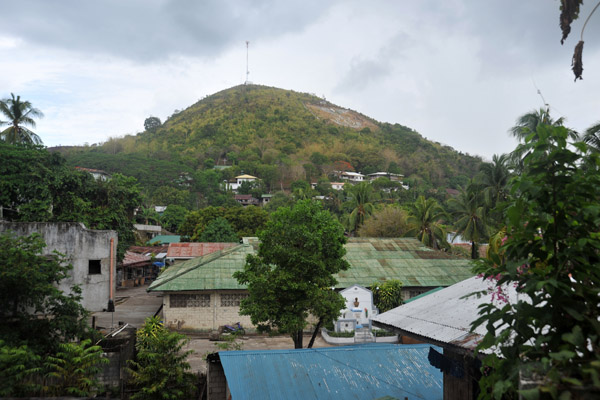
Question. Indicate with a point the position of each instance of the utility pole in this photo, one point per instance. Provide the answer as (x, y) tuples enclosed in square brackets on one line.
[(247, 71)]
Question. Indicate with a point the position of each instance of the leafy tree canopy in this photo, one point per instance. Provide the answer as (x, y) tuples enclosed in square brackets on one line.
[(387, 295), (218, 230), (37, 185), (173, 217), (152, 123), (291, 275), (28, 290), (390, 221), (551, 255)]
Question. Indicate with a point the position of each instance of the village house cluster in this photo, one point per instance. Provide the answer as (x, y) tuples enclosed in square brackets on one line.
[(200, 295)]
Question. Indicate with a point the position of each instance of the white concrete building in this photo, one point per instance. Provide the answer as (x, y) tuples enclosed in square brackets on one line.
[(238, 182), (358, 311)]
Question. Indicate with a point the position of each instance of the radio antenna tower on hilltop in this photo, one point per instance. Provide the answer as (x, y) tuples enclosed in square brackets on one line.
[(247, 71)]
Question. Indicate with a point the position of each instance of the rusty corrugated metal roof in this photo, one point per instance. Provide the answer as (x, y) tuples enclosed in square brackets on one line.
[(369, 371), (192, 250), (132, 259)]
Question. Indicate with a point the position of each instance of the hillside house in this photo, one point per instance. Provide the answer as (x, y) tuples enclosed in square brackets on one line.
[(93, 254), (234, 186), (98, 174), (353, 177), (246, 200), (265, 199), (389, 175), (443, 318), (202, 294), (375, 371)]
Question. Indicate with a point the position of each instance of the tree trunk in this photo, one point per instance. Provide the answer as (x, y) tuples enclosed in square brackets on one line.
[(314, 335), (474, 252), (297, 337)]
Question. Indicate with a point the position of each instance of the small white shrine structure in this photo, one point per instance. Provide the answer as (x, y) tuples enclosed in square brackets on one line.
[(359, 309)]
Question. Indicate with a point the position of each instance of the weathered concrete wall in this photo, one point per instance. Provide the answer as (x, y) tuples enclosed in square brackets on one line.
[(79, 245), (221, 311), (216, 382)]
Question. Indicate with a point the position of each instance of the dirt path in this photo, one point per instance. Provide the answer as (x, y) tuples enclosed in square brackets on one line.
[(202, 346)]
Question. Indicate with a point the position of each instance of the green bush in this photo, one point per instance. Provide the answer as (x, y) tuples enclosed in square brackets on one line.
[(160, 370)]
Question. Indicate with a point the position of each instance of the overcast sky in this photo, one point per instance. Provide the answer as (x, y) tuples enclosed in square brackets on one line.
[(459, 72)]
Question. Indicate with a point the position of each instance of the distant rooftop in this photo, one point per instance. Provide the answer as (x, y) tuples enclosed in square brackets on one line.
[(371, 259), (164, 239), (193, 250)]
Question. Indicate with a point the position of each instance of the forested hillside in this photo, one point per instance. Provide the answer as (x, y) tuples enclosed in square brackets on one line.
[(278, 135)]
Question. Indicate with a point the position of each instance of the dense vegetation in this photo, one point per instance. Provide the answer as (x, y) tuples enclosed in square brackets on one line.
[(278, 135), (38, 186), (548, 249)]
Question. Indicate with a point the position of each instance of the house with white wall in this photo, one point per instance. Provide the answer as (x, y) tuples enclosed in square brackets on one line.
[(234, 186)]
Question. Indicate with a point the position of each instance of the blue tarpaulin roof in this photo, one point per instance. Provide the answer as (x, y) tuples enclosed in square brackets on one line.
[(367, 371)]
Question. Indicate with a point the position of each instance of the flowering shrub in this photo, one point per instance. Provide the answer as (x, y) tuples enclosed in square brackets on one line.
[(547, 344)]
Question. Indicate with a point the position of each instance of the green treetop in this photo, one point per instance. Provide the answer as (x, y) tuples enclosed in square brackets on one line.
[(291, 275), (551, 335)]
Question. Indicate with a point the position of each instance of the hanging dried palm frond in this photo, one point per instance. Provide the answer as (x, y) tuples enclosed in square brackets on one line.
[(569, 11), (577, 63)]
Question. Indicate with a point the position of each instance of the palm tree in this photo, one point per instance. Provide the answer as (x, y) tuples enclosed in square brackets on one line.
[(494, 178), (19, 114), (528, 123), (425, 219), (592, 137), (361, 197), (525, 130), (470, 210)]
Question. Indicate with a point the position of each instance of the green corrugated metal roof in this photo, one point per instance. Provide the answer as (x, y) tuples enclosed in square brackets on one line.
[(164, 239), (371, 259)]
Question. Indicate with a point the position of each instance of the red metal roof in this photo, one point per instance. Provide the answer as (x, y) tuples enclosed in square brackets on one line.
[(192, 250)]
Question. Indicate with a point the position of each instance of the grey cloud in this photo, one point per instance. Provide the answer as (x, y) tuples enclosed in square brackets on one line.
[(364, 71), (143, 30)]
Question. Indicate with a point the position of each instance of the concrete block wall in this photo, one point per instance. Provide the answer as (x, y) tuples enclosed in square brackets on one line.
[(79, 245), (216, 382), (204, 318), (210, 318)]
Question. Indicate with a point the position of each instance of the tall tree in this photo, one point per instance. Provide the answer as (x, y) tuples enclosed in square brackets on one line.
[(151, 124), (19, 115), (291, 275), (470, 211), (550, 335), (425, 220), (361, 197), (494, 178), (592, 137), (526, 130), (218, 230)]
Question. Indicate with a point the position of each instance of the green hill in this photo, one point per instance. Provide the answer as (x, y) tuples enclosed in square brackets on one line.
[(278, 135)]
